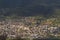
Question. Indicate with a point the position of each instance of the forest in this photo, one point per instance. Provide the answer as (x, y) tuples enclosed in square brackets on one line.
[(29, 7)]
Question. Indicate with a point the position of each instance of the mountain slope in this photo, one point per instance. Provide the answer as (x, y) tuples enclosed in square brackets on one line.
[(30, 7)]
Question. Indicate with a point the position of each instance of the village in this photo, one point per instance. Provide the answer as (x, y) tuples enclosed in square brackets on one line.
[(27, 28)]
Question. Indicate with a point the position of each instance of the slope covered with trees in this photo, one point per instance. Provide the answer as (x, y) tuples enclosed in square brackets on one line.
[(29, 7)]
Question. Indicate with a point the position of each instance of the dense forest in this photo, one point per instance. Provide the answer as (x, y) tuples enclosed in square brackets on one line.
[(29, 7)]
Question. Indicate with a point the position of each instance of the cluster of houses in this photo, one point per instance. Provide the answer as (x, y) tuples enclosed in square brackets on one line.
[(15, 29)]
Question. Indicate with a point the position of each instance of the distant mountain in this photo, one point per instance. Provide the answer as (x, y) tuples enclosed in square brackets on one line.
[(30, 7)]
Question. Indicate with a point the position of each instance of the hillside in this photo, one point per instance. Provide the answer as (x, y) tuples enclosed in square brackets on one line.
[(29, 19), (29, 7), (33, 27)]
